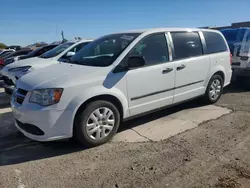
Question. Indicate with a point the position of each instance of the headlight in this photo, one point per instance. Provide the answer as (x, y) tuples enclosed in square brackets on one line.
[(46, 97), (23, 69)]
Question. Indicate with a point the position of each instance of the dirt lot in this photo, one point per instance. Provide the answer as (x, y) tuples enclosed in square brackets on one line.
[(214, 154)]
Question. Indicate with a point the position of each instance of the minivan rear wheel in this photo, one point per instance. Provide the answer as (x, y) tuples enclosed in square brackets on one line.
[(214, 89), (97, 123)]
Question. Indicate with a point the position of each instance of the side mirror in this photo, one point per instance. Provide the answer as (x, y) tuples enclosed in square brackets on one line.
[(135, 62), (70, 54)]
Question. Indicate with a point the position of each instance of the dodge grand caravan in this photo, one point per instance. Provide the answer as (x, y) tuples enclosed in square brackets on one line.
[(117, 77)]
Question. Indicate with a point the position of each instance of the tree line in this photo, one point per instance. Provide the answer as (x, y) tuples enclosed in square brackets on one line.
[(2, 45)]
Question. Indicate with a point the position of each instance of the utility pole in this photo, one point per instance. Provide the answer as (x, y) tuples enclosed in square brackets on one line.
[(63, 39)]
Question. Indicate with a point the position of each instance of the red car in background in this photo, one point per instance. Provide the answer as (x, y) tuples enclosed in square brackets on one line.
[(1, 63)]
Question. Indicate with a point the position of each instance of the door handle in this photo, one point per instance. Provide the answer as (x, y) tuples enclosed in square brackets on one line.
[(181, 67), (167, 70)]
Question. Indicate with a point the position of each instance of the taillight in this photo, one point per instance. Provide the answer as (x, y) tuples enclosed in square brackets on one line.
[(231, 59)]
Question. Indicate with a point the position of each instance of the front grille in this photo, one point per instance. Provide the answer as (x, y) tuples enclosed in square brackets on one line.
[(8, 81), (29, 128), (20, 95)]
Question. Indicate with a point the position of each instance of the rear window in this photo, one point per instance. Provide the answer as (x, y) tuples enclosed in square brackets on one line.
[(230, 35), (214, 42), (186, 44)]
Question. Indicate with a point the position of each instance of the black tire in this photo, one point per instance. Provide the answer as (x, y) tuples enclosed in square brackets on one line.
[(80, 132), (207, 97)]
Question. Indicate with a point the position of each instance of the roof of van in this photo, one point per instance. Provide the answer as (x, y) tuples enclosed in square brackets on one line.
[(153, 30)]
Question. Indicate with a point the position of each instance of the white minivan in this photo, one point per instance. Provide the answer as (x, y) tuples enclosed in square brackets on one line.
[(61, 53), (120, 76)]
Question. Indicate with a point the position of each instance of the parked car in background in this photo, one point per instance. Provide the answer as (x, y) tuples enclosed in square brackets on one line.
[(120, 76), (239, 43), (39, 51), (14, 56), (4, 51), (16, 48), (61, 53), (3, 54)]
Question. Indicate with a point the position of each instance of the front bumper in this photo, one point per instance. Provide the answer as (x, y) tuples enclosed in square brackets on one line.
[(54, 124)]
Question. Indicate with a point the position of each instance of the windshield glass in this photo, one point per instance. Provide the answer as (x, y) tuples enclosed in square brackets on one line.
[(9, 55), (230, 35), (5, 54), (234, 35), (57, 50), (33, 53), (102, 52)]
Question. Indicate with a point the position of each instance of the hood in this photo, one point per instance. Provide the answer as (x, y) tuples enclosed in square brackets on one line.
[(60, 75), (35, 61)]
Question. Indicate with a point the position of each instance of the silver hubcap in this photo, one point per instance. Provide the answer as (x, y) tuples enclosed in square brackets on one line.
[(100, 123), (215, 89)]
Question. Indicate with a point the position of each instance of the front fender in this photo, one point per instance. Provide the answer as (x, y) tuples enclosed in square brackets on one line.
[(82, 97)]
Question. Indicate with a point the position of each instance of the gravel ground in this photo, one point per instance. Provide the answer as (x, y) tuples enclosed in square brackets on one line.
[(214, 154)]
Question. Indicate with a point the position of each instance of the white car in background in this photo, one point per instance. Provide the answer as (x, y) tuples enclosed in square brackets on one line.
[(120, 76), (61, 53), (3, 51)]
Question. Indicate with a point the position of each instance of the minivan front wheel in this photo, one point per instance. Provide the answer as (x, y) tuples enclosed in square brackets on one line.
[(97, 123), (214, 89)]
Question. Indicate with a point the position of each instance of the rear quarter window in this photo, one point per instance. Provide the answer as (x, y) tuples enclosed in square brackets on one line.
[(214, 42)]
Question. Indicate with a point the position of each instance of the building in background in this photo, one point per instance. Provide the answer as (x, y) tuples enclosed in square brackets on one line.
[(233, 25)]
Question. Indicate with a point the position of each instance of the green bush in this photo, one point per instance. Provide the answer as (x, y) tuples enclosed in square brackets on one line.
[(2, 45)]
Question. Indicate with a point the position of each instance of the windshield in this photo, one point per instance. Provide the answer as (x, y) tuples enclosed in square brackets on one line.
[(102, 52), (8, 55), (33, 53), (57, 50), (5, 54)]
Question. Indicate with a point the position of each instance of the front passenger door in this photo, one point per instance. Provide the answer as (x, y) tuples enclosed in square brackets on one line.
[(151, 86)]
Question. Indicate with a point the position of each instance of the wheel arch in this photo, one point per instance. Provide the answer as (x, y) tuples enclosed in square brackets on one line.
[(220, 70), (107, 97), (220, 73)]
